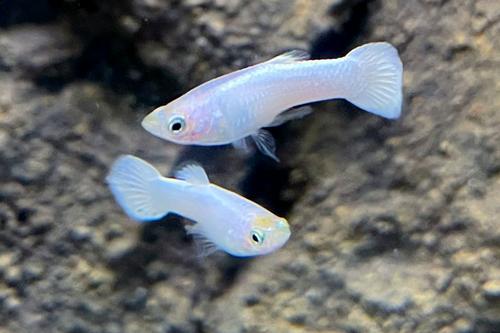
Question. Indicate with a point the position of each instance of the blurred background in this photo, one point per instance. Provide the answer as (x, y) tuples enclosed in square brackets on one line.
[(395, 224)]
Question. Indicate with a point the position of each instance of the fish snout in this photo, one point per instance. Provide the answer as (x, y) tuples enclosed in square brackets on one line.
[(282, 232), (152, 124), (282, 224)]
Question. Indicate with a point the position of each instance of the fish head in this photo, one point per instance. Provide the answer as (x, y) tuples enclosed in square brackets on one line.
[(184, 123), (264, 235)]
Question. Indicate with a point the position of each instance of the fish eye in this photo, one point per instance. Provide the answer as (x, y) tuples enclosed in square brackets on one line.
[(176, 124), (257, 237)]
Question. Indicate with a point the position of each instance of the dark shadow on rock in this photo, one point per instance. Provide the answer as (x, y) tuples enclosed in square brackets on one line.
[(225, 166), (111, 59), (216, 160), (381, 234), (274, 177), (164, 241), (26, 11), (337, 41), (265, 181), (163, 250), (108, 55)]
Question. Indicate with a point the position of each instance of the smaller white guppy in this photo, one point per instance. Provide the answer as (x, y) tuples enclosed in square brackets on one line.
[(236, 106), (223, 219)]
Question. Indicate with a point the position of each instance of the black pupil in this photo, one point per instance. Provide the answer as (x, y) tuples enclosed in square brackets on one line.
[(255, 238), (176, 126)]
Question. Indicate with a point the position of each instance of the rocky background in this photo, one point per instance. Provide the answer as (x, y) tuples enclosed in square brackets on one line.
[(396, 224)]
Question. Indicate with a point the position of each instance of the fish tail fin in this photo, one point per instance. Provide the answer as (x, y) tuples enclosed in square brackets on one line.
[(381, 77), (135, 186)]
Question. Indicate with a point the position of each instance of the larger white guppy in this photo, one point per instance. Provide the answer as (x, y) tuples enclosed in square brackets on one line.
[(236, 106), (224, 219)]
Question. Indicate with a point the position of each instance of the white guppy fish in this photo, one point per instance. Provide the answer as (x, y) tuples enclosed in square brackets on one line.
[(223, 219), (236, 106)]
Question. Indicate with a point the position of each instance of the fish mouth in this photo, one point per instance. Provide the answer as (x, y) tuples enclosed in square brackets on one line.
[(280, 227), (282, 224), (285, 234), (282, 232)]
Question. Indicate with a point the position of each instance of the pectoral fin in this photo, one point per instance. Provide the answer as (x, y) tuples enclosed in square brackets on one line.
[(241, 144), (204, 247), (265, 142)]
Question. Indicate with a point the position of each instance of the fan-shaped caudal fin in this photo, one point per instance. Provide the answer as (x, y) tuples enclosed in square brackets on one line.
[(381, 79), (135, 186)]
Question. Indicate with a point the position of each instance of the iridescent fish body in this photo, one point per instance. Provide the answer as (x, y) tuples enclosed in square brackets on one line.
[(236, 106), (223, 219)]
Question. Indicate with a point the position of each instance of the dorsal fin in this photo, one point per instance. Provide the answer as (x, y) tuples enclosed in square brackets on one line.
[(192, 173), (288, 57)]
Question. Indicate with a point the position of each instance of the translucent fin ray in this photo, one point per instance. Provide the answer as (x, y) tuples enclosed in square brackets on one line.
[(265, 142), (288, 57), (381, 72), (291, 114), (192, 173), (133, 183)]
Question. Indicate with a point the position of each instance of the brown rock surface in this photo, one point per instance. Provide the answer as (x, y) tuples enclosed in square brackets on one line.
[(395, 223)]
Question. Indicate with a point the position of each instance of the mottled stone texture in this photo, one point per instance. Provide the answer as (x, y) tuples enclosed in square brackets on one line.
[(396, 224)]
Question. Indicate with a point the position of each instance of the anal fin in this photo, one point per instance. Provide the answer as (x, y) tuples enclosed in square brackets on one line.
[(291, 114)]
